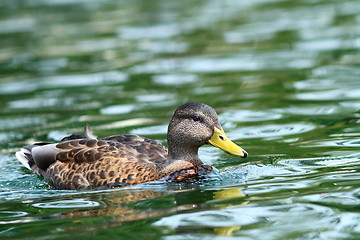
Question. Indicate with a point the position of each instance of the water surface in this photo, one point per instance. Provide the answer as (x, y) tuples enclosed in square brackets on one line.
[(282, 74)]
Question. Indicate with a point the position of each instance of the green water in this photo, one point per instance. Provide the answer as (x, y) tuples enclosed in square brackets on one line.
[(284, 76)]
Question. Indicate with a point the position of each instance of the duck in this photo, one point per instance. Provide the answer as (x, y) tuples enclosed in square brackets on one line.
[(83, 161)]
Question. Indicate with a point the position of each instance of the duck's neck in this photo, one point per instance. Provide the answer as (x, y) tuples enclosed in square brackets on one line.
[(181, 151)]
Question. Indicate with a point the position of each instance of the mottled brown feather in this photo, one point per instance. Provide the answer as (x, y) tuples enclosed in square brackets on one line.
[(84, 163)]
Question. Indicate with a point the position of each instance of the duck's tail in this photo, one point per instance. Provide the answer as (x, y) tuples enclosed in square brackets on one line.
[(25, 156)]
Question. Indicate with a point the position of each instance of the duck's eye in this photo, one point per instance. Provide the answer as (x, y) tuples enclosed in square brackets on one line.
[(196, 118)]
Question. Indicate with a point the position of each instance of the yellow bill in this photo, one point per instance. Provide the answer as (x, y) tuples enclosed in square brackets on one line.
[(220, 140)]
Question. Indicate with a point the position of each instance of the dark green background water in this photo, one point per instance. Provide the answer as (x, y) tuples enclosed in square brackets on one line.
[(283, 75)]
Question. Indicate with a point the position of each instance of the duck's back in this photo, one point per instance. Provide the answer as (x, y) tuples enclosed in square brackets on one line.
[(79, 161)]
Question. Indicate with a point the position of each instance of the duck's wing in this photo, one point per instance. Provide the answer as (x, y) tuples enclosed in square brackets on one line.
[(84, 148), (153, 150), (84, 163), (134, 139), (94, 150)]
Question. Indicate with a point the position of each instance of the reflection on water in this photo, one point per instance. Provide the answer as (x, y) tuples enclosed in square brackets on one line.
[(283, 76)]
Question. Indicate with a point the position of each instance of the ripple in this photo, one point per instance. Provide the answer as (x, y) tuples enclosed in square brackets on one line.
[(152, 130), (117, 109), (269, 131), (75, 203), (175, 79), (330, 77), (331, 95), (266, 26), (50, 65), (12, 123), (85, 79), (238, 62), (351, 104), (40, 102), (314, 84), (355, 142), (310, 110), (155, 97), (97, 45), (285, 215), (8, 136), (333, 32), (324, 84), (323, 45), (344, 75), (216, 218), (249, 116), (19, 25), (12, 214), (161, 31), (164, 47), (63, 81)]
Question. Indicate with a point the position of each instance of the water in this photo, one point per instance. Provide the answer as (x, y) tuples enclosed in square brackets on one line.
[(283, 76)]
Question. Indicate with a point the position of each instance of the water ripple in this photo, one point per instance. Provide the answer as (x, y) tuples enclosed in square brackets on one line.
[(40, 102), (155, 97), (330, 77), (215, 218), (12, 123), (161, 31), (12, 214), (355, 142), (152, 130), (239, 62), (175, 79), (249, 116), (19, 25), (278, 216), (327, 44), (272, 130), (164, 47), (13, 217), (330, 95), (310, 110), (75, 203), (117, 109), (266, 26), (9, 136), (30, 85)]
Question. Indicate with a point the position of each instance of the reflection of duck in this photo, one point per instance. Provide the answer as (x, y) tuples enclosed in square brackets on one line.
[(166, 207), (208, 204), (119, 205), (83, 161)]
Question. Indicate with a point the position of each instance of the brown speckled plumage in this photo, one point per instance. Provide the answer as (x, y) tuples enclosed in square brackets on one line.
[(92, 162), (83, 161)]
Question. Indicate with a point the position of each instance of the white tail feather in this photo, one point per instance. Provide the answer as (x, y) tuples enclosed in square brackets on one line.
[(20, 155), (88, 132)]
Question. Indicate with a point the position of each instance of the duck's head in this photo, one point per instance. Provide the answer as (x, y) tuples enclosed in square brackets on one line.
[(193, 125)]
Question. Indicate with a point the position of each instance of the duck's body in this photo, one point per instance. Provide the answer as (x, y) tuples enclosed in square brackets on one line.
[(83, 161)]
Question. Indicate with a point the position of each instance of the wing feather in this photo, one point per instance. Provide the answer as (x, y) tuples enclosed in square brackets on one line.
[(83, 163)]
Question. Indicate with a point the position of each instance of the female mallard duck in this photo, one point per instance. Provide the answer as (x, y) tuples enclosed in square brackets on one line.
[(82, 161)]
